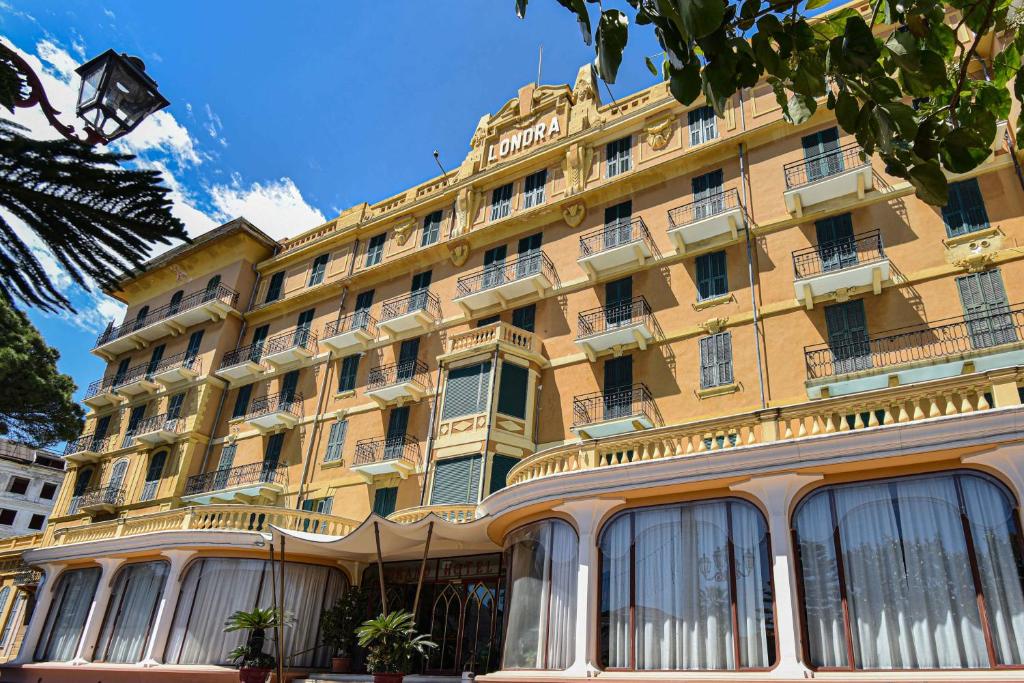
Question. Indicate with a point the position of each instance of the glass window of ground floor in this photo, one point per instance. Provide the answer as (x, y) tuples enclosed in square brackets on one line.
[(62, 631), (920, 572), (134, 598)]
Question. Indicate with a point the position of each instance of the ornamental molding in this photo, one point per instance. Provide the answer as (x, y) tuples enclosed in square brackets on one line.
[(576, 167), (404, 229), (660, 132), (574, 213), (459, 252), (713, 325), (975, 263)]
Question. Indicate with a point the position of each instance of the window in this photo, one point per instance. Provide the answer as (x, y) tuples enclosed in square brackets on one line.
[(37, 522), (69, 607), (711, 276), (319, 269), (9, 622), (703, 125), (456, 481), (242, 401), (375, 249), (224, 463), (273, 452), (673, 567), (618, 155), (837, 247), (618, 225), (918, 562), (501, 202), (512, 390), (175, 304), (964, 211), (821, 156), (48, 491), (431, 228), (347, 376), (18, 485), (420, 292), (155, 358), (542, 560), (533, 189), (259, 335), (716, 360), (174, 406), (194, 341), (467, 390), (7, 516), (288, 384), (848, 336), (501, 465), (986, 309), (274, 287), (153, 474), (134, 598), (212, 287), (321, 506), (361, 318), (489, 320), (708, 199), (524, 318), (384, 501), (336, 441)]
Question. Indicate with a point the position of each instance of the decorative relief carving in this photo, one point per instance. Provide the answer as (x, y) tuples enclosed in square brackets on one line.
[(659, 133), (574, 213), (458, 253), (466, 202), (585, 101), (713, 325), (576, 167), (179, 273), (975, 263), (403, 229)]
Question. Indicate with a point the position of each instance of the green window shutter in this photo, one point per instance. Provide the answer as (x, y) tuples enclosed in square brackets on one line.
[(431, 228), (703, 125), (274, 443), (316, 274), (711, 276), (512, 390), (466, 390), (174, 406), (242, 401), (336, 441), (384, 501), (227, 457), (500, 467), (456, 481), (347, 376), (964, 211), (274, 287)]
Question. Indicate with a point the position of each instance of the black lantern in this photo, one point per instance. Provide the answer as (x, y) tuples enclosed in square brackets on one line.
[(116, 94)]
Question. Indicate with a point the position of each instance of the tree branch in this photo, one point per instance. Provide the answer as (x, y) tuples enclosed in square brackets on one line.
[(966, 60)]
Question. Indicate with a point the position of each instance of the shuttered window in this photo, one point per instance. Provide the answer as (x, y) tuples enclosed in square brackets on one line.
[(227, 457), (716, 360), (336, 441), (512, 390), (533, 189), (431, 228), (501, 465), (466, 390), (703, 125), (242, 401), (456, 481), (174, 406), (194, 342), (964, 211), (385, 500), (273, 454), (274, 287), (347, 376), (524, 318), (986, 309), (501, 202), (319, 269), (618, 154), (711, 276), (320, 506), (848, 336), (375, 249)]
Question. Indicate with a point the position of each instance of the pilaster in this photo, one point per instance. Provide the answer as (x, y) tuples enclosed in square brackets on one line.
[(44, 598)]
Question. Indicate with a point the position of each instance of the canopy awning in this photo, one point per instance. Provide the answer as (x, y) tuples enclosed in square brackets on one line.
[(397, 541)]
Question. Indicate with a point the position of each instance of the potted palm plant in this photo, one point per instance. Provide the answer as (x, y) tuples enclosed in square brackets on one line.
[(338, 628), (254, 665), (391, 641)]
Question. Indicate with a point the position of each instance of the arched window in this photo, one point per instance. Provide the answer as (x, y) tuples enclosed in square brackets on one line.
[(542, 561), (12, 620), (117, 474), (687, 586), (134, 597), (175, 304), (62, 631), (82, 481), (917, 562), (153, 474), (140, 317), (212, 288)]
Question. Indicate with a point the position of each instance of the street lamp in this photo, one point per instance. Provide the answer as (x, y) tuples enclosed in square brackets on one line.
[(115, 96)]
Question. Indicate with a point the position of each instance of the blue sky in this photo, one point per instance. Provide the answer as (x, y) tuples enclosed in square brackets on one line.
[(291, 112)]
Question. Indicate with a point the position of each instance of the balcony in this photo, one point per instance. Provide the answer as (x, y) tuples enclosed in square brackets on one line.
[(499, 283), (836, 173), (496, 336), (242, 365), (615, 246), (173, 318), (181, 367), (257, 483), (945, 348), (87, 449), (290, 348), (101, 394), (136, 381), (275, 412), (158, 430), (103, 499), (350, 334), (410, 314), (706, 218), (621, 411), (836, 267), (612, 328), (395, 455), (398, 383)]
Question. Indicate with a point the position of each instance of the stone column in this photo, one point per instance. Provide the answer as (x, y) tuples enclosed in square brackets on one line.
[(165, 611), (44, 598), (93, 621), (587, 514), (776, 493)]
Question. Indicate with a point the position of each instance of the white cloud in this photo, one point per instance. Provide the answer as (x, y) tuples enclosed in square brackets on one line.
[(183, 205), (276, 207), (161, 132)]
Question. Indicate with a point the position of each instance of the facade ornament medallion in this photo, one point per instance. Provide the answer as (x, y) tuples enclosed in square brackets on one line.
[(713, 325), (659, 133), (403, 229), (574, 213), (179, 273), (459, 252), (576, 167), (465, 209), (974, 263)]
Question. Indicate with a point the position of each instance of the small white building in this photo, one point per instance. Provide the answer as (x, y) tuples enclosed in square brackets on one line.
[(30, 479)]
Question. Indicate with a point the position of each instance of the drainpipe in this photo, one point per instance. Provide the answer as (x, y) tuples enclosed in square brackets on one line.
[(430, 433)]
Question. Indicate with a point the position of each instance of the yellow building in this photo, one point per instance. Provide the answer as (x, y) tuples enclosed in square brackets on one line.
[(665, 392)]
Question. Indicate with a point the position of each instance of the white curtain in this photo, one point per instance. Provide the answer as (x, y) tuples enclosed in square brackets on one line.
[(616, 578), (62, 631), (562, 610), (133, 601), (308, 590), (753, 585), (823, 607)]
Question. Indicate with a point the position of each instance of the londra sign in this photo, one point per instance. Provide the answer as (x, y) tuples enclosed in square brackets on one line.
[(524, 139)]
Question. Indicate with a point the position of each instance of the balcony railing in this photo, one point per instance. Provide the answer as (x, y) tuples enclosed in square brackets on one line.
[(282, 402), (244, 354), (357, 320), (631, 401), (403, 448), (706, 207), (88, 442), (423, 300), (102, 495), (606, 318), (133, 374), (193, 300), (497, 274), (398, 373), (99, 386), (233, 477), (161, 422), (824, 165), (298, 338), (179, 361), (917, 343), (838, 254), (616, 234)]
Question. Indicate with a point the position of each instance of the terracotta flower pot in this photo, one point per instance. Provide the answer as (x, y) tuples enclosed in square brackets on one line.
[(341, 665), (252, 675), (388, 678)]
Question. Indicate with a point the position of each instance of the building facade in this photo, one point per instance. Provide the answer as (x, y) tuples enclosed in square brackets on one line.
[(29, 481), (649, 389)]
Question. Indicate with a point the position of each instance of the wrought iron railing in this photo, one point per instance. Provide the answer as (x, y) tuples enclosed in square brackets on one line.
[(357, 320), (133, 374), (607, 318), (497, 274), (266, 472), (615, 234), (917, 343), (102, 495), (193, 300), (183, 360), (705, 207), (824, 165), (632, 401), (88, 442), (404, 448), (101, 385), (281, 402), (298, 338), (423, 300), (244, 354), (838, 254), (398, 373), (161, 422)]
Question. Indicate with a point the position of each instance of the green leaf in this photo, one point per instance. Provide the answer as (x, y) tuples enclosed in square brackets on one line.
[(962, 150), (684, 84), (815, 4), (1005, 64), (612, 34), (930, 183), (521, 8), (700, 17), (859, 47), (579, 8), (847, 109), (799, 108), (650, 66)]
